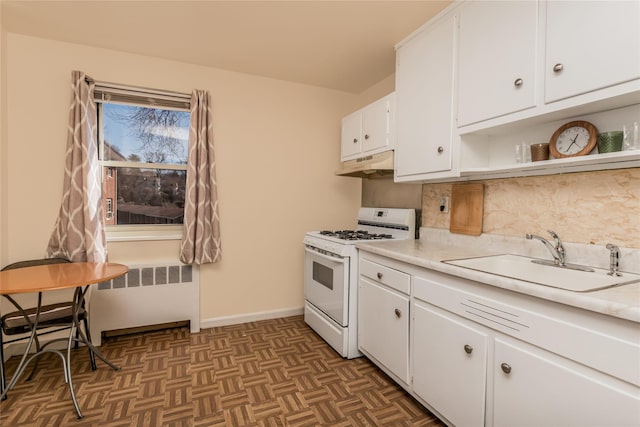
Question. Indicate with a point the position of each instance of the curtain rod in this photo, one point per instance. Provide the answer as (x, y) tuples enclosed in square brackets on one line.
[(145, 90)]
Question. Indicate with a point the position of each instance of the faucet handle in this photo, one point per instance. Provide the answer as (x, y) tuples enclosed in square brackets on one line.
[(559, 246), (555, 237), (614, 259)]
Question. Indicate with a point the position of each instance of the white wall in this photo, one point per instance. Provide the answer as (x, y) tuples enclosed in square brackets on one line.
[(276, 145)]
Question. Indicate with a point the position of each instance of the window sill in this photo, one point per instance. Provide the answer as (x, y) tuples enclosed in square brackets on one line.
[(136, 235)]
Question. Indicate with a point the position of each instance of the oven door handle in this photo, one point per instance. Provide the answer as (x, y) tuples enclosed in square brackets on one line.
[(336, 258)]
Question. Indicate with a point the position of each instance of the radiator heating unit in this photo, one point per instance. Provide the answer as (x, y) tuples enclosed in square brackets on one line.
[(148, 295)]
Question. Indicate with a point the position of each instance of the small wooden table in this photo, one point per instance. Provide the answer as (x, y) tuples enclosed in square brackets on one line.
[(42, 278)]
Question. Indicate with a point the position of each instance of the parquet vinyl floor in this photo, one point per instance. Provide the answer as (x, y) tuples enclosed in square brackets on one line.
[(271, 373)]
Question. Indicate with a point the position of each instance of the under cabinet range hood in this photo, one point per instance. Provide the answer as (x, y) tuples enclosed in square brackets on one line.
[(373, 166)]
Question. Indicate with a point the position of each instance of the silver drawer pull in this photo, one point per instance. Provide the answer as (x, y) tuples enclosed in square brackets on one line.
[(398, 313), (440, 149), (518, 82), (379, 275), (468, 349), (366, 136), (355, 140), (557, 68), (506, 368)]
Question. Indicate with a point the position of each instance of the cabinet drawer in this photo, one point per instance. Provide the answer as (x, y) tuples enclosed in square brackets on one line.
[(388, 276)]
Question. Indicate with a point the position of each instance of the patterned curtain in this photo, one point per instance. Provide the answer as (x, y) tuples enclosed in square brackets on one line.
[(79, 231), (201, 231)]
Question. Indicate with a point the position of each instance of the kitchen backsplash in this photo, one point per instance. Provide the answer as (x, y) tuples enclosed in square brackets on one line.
[(589, 207), (383, 192)]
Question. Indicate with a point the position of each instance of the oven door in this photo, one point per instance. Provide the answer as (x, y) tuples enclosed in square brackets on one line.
[(326, 283)]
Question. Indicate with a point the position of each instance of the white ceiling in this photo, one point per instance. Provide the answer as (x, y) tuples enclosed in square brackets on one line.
[(343, 45)]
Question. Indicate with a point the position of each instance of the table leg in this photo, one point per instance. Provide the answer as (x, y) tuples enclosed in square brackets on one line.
[(26, 359), (77, 301), (70, 382)]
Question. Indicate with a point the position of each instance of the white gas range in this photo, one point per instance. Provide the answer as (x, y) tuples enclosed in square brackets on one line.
[(331, 273)]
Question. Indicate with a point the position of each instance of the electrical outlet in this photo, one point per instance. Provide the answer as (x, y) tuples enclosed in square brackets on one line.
[(444, 204)]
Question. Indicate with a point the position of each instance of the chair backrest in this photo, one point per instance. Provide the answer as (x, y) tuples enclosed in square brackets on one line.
[(34, 262)]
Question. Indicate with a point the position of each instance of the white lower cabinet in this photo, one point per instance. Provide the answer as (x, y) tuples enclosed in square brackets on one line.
[(533, 387), (383, 331), (484, 356), (449, 364)]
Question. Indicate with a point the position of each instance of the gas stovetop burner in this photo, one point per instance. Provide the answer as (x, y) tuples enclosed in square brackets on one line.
[(355, 235)]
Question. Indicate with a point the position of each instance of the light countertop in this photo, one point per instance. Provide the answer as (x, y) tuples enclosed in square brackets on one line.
[(621, 301)]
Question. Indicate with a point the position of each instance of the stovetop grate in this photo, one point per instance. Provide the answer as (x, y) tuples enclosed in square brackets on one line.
[(355, 235)]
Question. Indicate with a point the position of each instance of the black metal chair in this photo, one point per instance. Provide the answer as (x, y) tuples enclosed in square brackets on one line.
[(53, 318)]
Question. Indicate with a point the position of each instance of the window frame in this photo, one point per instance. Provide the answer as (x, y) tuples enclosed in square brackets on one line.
[(132, 232)]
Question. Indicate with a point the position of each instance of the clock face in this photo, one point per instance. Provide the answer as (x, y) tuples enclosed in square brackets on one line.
[(572, 140), (577, 138)]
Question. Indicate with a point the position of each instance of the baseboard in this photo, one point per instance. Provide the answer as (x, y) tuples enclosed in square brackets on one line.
[(18, 348), (250, 317)]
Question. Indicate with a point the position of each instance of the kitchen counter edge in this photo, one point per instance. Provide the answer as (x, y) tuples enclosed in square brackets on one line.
[(622, 301)]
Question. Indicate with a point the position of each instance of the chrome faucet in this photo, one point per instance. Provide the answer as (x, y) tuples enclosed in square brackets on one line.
[(614, 259), (557, 250)]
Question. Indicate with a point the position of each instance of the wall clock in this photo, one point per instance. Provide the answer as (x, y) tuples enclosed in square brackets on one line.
[(573, 139)]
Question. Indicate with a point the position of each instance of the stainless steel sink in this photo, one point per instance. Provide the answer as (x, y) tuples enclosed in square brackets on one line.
[(545, 273)]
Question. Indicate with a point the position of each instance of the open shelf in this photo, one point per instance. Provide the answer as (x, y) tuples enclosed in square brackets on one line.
[(617, 160)]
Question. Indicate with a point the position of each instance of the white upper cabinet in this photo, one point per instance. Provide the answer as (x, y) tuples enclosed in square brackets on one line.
[(376, 130), (368, 130), (497, 51), (424, 101), (484, 77), (590, 45), (351, 135)]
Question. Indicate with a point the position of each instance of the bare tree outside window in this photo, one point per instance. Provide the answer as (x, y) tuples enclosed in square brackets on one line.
[(147, 148)]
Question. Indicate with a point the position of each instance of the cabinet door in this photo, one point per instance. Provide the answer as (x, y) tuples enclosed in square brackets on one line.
[(424, 101), (592, 45), (351, 131), (497, 69), (449, 365), (542, 389), (375, 126), (383, 326)]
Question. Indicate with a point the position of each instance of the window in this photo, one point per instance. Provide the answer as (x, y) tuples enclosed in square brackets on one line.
[(144, 140)]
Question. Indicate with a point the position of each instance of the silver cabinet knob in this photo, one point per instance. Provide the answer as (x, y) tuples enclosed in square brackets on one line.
[(440, 149), (468, 349), (518, 82), (355, 140), (398, 313), (557, 68), (366, 136), (379, 275), (506, 368)]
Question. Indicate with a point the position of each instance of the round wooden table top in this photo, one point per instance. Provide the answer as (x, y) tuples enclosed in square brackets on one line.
[(58, 276)]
